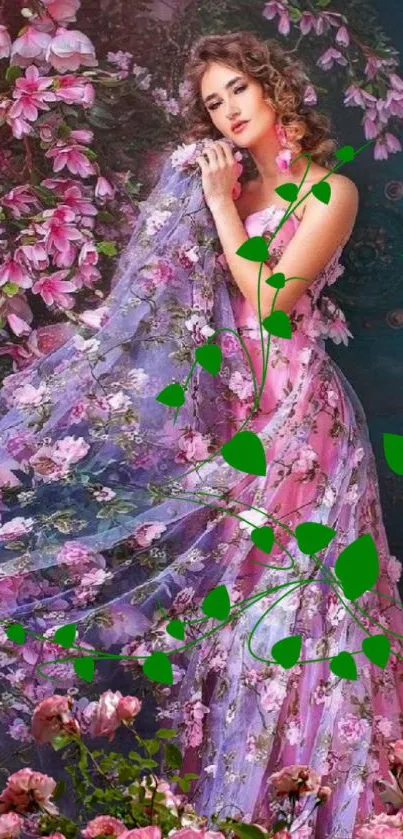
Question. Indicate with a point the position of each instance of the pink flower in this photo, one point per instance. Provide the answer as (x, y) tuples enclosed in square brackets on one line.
[(128, 708), (146, 532), (73, 157), (53, 716), (271, 10), (30, 46), (104, 189), (104, 717), (20, 200), (382, 826), (327, 59), (5, 42), (69, 50), (64, 11), (307, 22), (298, 779), (31, 93), (150, 832), (88, 254), (95, 318), (396, 81), (229, 344), (197, 833), (16, 528), (194, 712), (74, 90), (18, 326), (392, 143), (54, 290), (106, 825), (193, 446), (35, 256), (310, 97), (12, 272), (342, 36), (74, 554), (10, 825), (26, 790), (283, 159), (59, 230)]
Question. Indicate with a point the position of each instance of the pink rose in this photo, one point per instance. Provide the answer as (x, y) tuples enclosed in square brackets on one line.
[(53, 716), (128, 708), (104, 717), (151, 832), (10, 825), (146, 532), (106, 825), (26, 790), (298, 779)]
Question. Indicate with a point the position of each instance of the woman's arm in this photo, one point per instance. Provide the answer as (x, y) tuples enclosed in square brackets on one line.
[(322, 229)]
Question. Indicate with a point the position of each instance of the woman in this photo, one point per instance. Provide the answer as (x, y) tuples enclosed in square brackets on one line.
[(106, 520)]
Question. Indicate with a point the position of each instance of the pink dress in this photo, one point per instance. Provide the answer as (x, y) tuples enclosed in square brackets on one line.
[(241, 719)]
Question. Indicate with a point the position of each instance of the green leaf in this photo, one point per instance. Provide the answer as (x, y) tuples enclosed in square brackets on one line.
[(287, 651), (84, 668), (313, 536), (60, 741), (343, 665), (176, 628), (279, 324), (209, 357), (322, 191), (16, 633), (287, 191), (108, 248), (13, 73), (217, 603), (246, 453), (173, 756), (263, 538), (357, 567), (158, 668), (276, 280), (10, 289), (377, 649), (255, 249), (165, 733), (247, 831), (172, 395), (345, 153), (281, 824), (66, 635), (393, 450)]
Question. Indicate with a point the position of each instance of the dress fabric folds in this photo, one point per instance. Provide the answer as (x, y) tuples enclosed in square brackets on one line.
[(89, 537)]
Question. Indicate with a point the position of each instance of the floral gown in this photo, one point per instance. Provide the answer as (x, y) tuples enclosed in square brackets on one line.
[(241, 720)]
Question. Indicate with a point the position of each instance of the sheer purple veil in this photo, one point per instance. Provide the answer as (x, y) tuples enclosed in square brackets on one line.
[(84, 440)]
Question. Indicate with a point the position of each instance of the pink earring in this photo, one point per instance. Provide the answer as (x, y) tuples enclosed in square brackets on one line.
[(284, 157)]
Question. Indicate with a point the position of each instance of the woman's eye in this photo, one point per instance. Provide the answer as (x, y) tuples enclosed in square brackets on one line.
[(237, 90)]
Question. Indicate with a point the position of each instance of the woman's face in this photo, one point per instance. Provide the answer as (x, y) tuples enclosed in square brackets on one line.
[(236, 97)]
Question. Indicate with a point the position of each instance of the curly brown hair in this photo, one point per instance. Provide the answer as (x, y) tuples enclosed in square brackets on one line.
[(283, 77)]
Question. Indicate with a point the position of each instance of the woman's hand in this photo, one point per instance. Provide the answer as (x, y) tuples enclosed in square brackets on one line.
[(219, 172)]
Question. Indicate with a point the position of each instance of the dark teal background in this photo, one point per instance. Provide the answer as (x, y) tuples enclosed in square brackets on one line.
[(370, 292)]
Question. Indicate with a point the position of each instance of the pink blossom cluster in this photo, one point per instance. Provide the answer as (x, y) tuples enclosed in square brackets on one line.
[(377, 69), (55, 254)]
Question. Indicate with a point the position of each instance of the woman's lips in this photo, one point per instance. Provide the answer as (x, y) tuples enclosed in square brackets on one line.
[(240, 127)]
